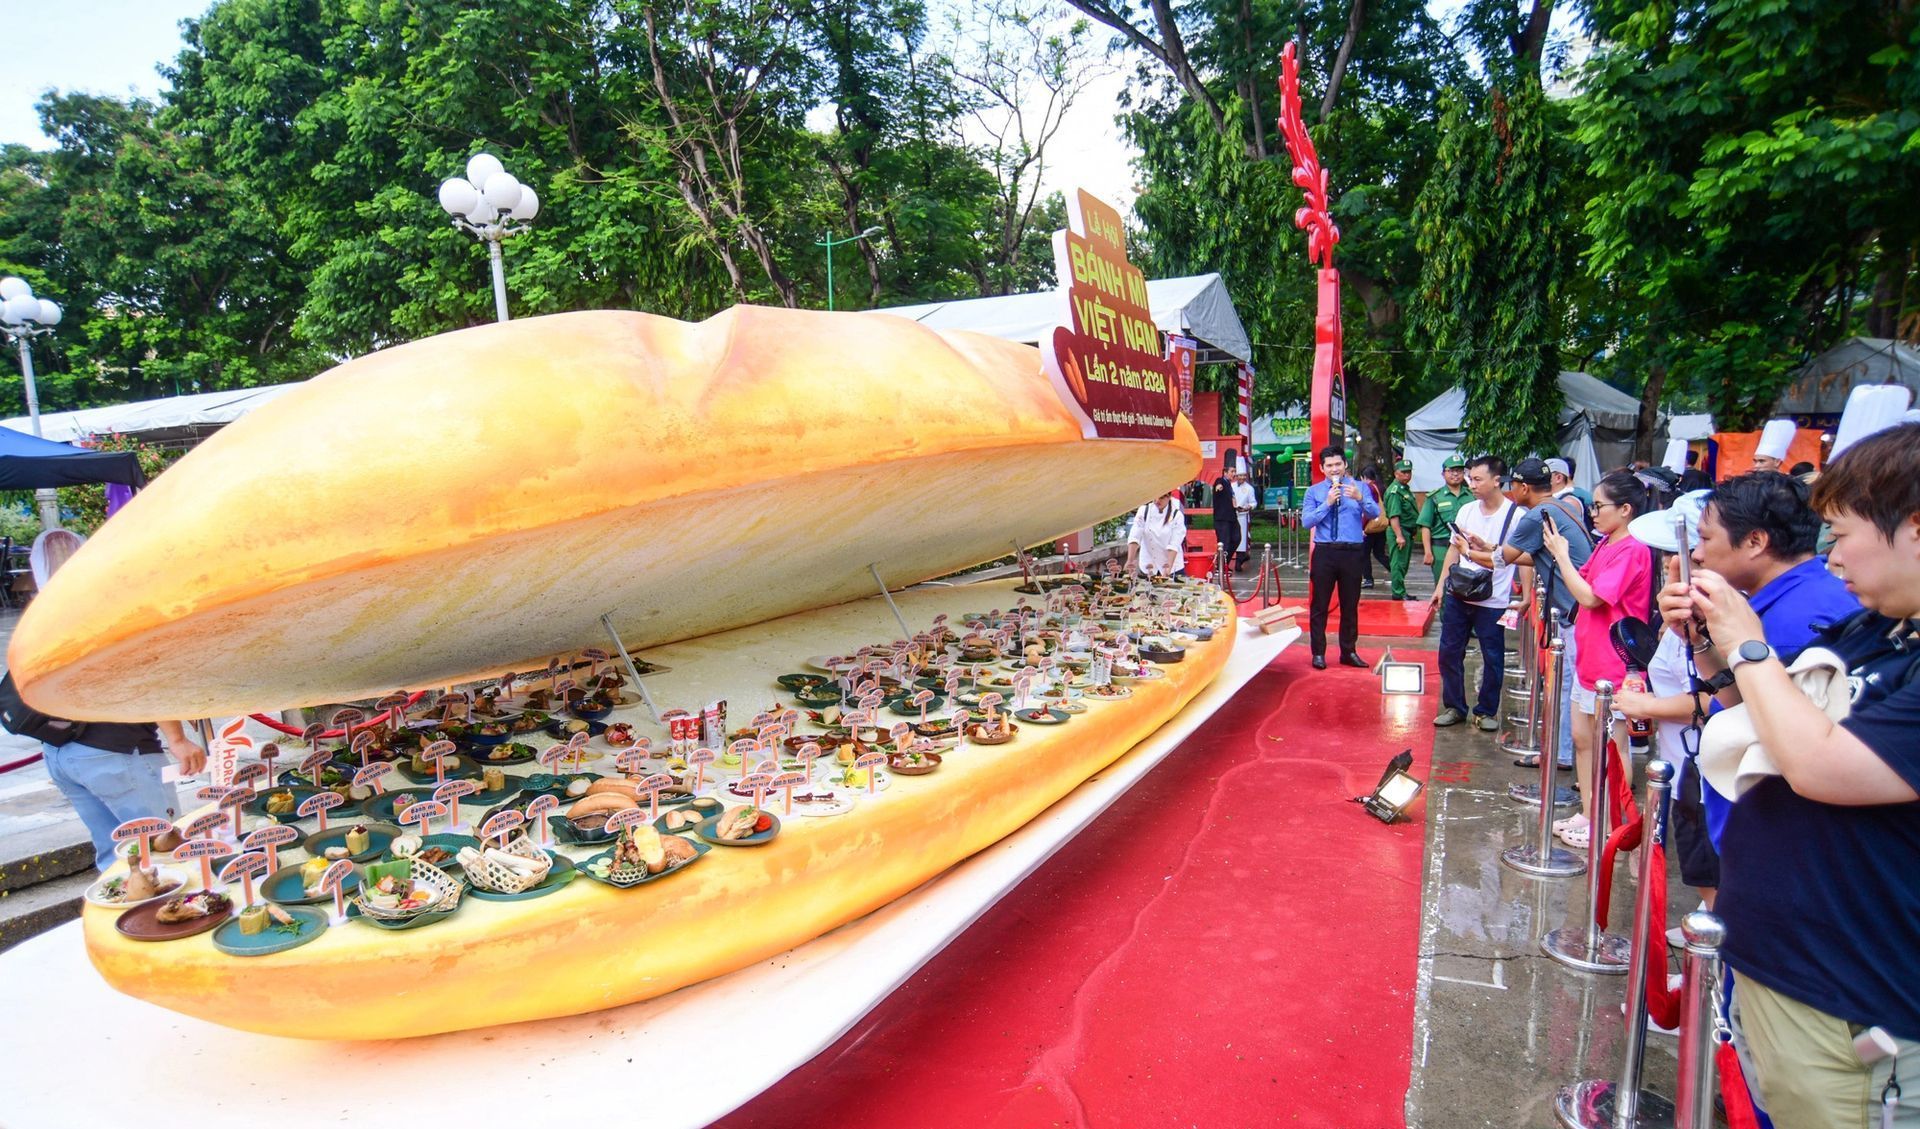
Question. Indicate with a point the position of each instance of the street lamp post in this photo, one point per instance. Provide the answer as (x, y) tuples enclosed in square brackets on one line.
[(830, 243), (485, 202), (24, 317)]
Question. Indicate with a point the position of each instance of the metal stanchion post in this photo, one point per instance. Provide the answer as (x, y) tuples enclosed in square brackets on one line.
[(1528, 792), (1600, 1103), (1220, 568), (1541, 858), (1593, 949), (1526, 742), (1699, 1022)]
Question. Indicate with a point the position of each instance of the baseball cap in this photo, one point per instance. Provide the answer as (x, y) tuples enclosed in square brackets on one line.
[(1655, 528), (1403, 464), (1531, 471), (1453, 462), (1559, 466)]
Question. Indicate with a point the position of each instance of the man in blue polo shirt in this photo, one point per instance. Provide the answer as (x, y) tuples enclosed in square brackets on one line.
[(1758, 534), (1337, 509), (1820, 891)]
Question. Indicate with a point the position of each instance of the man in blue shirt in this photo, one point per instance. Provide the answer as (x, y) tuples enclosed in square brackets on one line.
[(1337, 509), (1533, 488), (1758, 533)]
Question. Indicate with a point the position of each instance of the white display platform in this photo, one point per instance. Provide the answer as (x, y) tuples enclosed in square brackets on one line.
[(74, 1053)]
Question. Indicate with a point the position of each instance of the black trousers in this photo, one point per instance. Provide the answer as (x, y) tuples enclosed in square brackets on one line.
[(1336, 563), (1229, 533)]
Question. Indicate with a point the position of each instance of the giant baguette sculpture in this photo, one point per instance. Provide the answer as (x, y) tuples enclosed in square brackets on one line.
[(474, 502)]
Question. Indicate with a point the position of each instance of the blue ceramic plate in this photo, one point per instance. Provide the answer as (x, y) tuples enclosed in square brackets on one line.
[(757, 839), (586, 868), (284, 887), (562, 873), (307, 925), (379, 837)]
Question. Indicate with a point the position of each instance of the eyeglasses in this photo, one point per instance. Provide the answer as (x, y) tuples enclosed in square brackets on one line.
[(1604, 505)]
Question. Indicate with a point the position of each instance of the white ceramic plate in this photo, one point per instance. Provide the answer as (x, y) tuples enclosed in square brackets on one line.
[(165, 873)]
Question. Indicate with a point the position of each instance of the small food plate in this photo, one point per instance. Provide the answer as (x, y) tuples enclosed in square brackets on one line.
[(1044, 716), (284, 887), (978, 736), (905, 708), (819, 662), (278, 937), (562, 873), (417, 921), (757, 839), (699, 811), (571, 833), (558, 727), (913, 764), (826, 802), (556, 783), (606, 857), (448, 841), (1106, 693), (504, 753), (824, 698), (1150, 674), (800, 681), (511, 786), (257, 806), (883, 780), (379, 837), (386, 806), (142, 923), (504, 722), (464, 767), (97, 893)]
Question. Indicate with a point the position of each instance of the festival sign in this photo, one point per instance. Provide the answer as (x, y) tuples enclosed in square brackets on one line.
[(1105, 359)]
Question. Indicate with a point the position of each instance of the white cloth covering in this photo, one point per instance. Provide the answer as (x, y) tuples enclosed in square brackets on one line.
[(1731, 756)]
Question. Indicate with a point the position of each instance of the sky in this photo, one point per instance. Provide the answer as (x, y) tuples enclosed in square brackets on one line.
[(115, 47)]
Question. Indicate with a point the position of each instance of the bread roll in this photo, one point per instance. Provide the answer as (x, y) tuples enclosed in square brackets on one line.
[(601, 802), (471, 503)]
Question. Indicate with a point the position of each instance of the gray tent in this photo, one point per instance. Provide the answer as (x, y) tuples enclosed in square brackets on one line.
[(1821, 386), (1597, 424)]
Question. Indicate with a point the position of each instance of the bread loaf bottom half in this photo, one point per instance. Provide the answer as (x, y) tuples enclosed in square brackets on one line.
[(475, 502)]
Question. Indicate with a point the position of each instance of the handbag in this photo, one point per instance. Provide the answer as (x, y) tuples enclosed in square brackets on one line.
[(1470, 583), (1378, 524)]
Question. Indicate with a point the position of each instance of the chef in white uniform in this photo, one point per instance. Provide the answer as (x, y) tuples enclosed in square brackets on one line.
[(1775, 438), (1157, 540), (1244, 500)]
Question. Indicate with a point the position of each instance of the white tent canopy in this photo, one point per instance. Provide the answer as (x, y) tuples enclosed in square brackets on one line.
[(1197, 306), (1597, 423), (1822, 385), (175, 417)]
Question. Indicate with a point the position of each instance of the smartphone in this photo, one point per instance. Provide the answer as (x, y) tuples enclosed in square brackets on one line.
[(1686, 550), (1457, 531)]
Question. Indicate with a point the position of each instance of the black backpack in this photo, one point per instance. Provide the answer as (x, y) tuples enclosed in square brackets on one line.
[(23, 720)]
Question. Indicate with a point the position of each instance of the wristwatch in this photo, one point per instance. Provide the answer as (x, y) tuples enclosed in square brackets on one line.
[(1751, 651)]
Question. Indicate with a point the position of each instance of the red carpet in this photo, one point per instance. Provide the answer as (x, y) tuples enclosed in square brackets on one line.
[(1232, 944), (1393, 619)]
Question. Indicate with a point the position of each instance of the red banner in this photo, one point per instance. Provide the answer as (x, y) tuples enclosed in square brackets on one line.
[(1183, 351), (1106, 359)]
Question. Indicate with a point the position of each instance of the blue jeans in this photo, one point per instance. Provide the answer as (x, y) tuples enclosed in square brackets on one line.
[(108, 788), (1457, 620)]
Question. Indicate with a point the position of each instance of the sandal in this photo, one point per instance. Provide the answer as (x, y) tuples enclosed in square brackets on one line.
[(1576, 836), (1560, 825)]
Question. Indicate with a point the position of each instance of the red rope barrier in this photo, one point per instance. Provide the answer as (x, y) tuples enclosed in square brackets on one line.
[(331, 734), (1663, 1002), (1733, 1089), (1627, 831), (21, 763)]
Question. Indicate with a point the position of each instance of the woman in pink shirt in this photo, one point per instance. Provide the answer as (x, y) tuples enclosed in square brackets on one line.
[(1617, 582)]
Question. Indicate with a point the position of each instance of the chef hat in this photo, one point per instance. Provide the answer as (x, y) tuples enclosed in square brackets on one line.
[(1775, 438), (1676, 460), (1870, 408)]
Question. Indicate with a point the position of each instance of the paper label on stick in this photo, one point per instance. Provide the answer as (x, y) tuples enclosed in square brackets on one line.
[(626, 818), (242, 866), (319, 802), (200, 849), (422, 811), (554, 755), (541, 805), (210, 792), (235, 796), (334, 875), (315, 760), (789, 780), (393, 702), (503, 824), (204, 824), (754, 780), (923, 698), (250, 773), (371, 775), (450, 792), (271, 835), (439, 749), (313, 733), (578, 741), (869, 760), (656, 782), (348, 716), (135, 828), (630, 763)]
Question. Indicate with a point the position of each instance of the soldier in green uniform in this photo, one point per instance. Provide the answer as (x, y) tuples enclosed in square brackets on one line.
[(1402, 515), (1436, 517)]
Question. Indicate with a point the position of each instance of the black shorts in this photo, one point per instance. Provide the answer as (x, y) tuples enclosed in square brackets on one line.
[(1699, 862)]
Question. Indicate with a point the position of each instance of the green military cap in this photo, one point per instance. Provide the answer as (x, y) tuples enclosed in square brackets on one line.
[(1454, 462), (1403, 464)]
